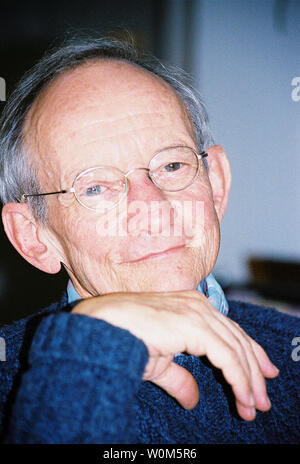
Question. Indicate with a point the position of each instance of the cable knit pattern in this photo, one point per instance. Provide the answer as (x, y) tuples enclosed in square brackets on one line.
[(69, 378)]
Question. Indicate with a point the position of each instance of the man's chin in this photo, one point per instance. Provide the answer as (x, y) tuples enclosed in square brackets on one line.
[(166, 281)]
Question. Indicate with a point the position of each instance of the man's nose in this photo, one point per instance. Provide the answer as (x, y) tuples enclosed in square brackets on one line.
[(149, 210)]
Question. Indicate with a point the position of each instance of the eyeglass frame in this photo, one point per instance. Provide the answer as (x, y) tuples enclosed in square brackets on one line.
[(200, 156)]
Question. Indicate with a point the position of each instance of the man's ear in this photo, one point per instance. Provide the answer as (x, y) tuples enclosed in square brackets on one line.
[(26, 235), (220, 178)]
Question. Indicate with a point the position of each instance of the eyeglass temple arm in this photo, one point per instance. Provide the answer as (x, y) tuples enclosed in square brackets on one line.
[(25, 195)]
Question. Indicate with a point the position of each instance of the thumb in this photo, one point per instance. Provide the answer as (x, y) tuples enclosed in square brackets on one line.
[(179, 383)]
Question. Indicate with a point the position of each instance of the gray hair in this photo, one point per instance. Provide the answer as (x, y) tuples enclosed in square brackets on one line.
[(17, 173)]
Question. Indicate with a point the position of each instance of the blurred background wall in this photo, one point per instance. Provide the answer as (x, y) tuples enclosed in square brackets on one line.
[(243, 56)]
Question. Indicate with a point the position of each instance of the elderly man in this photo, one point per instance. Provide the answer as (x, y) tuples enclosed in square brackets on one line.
[(108, 168)]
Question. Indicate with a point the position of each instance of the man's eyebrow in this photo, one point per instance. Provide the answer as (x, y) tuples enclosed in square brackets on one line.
[(179, 143)]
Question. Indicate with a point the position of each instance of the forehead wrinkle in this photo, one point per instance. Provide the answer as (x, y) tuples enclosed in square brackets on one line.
[(121, 132), (111, 115), (106, 129), (108, 121)]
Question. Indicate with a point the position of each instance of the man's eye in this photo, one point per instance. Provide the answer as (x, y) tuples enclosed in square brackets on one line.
[(95, 190), (171, 167)]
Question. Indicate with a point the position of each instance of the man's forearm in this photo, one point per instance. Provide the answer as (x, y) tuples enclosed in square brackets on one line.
[(81, 384)]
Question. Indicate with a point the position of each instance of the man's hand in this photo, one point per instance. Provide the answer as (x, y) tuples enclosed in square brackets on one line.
[(185, 321)]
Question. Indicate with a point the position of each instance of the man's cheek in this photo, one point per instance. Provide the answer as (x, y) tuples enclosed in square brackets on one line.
[(187, 217), (210, 216), (82, 234), (199, 211), (202, 224)]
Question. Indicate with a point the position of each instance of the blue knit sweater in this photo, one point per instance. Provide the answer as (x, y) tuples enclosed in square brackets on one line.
[(69, 378)]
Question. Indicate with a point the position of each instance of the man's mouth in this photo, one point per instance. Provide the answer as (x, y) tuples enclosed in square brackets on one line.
[(160, 254)]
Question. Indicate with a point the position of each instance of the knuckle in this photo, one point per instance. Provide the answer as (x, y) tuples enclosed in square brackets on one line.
[(233, 356), (248, 345), (238, 347)]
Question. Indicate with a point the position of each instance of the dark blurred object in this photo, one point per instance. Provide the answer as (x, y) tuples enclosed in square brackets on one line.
[(275, 279), (28, 29)]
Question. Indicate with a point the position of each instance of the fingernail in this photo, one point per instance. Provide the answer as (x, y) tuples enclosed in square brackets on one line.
[(251, 414), (251, 400)]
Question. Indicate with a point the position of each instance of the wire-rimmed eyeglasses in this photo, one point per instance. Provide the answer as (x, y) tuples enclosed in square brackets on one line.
[(101, 188)]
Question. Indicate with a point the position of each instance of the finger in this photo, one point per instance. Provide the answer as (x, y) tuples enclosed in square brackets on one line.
[(268, 368), (179, 383), (245, 412), (257, 379), (259, 387), (222, 328), (226, 358), (156, 366), (227, 331)]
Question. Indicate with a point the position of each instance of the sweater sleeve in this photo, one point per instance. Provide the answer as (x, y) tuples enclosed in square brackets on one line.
[(80, 385)]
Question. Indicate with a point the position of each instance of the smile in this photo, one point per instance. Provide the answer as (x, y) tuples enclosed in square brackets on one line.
[(161, 254)]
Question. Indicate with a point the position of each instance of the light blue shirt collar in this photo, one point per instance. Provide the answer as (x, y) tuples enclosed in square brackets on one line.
[(208, 286)]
